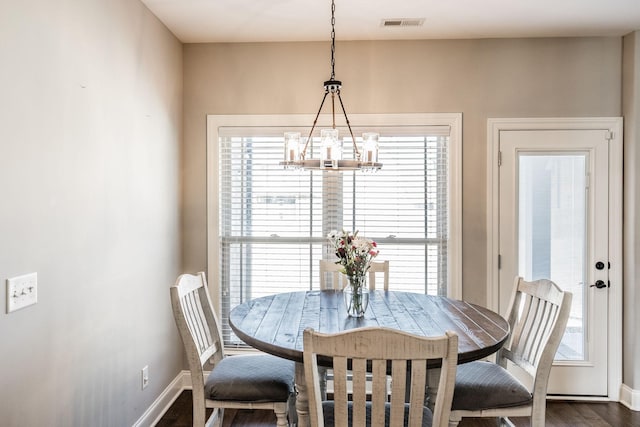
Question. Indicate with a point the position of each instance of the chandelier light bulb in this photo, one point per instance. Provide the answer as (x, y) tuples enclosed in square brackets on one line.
[(330, 148), (370, 148), (291, 149)]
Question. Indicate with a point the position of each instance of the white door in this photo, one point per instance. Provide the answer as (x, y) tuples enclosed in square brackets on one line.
[(554, 219)]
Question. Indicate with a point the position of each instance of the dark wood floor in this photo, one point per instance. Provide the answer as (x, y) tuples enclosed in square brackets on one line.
[(559, 414)]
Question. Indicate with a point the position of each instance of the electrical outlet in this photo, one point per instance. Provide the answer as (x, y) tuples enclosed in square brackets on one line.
[(22, 291), (145, 377)]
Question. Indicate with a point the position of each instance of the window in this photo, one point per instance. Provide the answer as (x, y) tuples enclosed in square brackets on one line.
[(271, 223)]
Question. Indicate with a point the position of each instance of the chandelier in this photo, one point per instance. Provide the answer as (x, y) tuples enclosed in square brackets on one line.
[(295, 147)]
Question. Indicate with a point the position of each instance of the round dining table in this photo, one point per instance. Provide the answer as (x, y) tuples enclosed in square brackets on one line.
[(274, 324)]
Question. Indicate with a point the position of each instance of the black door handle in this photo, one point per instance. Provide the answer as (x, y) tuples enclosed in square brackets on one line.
[(599, 284)]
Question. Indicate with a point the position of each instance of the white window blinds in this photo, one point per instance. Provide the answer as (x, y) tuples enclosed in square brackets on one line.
[(273, 222)]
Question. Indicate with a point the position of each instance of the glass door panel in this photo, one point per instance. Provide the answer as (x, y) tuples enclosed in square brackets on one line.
[(552, 233)]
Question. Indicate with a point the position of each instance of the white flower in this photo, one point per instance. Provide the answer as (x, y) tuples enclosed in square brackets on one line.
[(361, 246)]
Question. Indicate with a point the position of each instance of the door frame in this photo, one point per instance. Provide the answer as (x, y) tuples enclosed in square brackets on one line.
[(614, 126)]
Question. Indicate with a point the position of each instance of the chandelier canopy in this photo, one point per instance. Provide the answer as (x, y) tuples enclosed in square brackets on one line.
[(295, 147)]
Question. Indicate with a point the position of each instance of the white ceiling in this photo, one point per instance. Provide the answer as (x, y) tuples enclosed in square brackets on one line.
[(199, 21)]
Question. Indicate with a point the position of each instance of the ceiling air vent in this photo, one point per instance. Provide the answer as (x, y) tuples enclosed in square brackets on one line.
[(403, 22)]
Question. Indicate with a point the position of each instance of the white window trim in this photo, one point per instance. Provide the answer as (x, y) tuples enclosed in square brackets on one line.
[(453, 120)]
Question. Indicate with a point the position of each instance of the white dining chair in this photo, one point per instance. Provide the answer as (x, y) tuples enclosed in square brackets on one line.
[(240, 382), (373, 353), (331, 270), (537, 318)]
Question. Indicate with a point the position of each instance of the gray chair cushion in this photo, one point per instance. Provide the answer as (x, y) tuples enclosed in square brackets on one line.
[(484, 385), (259, 378), (329, 420)]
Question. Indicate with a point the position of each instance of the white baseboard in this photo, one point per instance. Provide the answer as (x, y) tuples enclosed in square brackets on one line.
[(154, 413), (630, 397)]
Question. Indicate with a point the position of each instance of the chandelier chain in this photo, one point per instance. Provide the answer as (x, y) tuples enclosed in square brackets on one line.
[(333, 39)]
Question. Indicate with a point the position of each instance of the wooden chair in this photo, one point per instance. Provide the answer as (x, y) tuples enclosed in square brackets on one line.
[(339, 281), (242, 382), (538, 316), (386, 351)]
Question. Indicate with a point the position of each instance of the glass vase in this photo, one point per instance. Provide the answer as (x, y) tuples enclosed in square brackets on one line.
[(356, 296)]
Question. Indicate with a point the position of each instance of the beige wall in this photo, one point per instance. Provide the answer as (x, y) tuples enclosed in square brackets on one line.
[(480, 78), (631, 110), (90, 135)]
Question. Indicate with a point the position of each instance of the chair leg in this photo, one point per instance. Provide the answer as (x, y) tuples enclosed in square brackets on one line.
[(281, 416), (218, 418), (454, 420), (291, 410)]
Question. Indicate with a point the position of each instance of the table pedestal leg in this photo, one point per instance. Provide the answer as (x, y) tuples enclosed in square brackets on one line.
[(302, 399), (433, 377), (322, 374)]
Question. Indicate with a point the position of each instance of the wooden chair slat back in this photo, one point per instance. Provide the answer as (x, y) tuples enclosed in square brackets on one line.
[(370, 353), (537, 316), (331, 269), (197, 322), (338, 280), (379, 267)]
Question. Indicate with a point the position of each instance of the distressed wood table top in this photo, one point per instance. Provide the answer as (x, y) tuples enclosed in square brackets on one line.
[(274, 324)]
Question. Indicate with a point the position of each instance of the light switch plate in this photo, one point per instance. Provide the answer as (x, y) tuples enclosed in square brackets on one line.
[(22, 291), (145, 377)]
